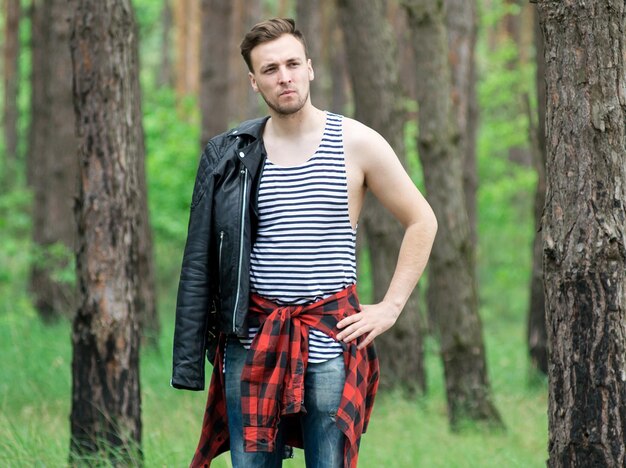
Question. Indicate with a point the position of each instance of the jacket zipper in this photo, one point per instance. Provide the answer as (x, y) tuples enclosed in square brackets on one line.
[(219, 261), (244, 172)]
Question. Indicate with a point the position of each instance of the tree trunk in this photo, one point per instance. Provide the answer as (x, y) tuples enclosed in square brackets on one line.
[(166, 75), (461, 26), (243, 101), (11, 77), (452, 295), (340, 80), (536, 332), (53, 161), (105, 416), (373, 68), (584, 228), (216, 22), (38, 39), (187, 28), (309, 15), (147, 310)]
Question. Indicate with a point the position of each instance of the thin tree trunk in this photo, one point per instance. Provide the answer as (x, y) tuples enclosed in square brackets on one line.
[(38, 37), (373, 68), (452, 295), (187, 28), (283, 7), (166, 76), (584, 229), (214, 82), (147, 310), (309, 20), (339, 78), (53, 159), (536, 331), (461, 26), (105, 416), (11, 77), (243, 101)]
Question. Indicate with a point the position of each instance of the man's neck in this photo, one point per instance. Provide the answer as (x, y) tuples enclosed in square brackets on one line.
[(306, 120)]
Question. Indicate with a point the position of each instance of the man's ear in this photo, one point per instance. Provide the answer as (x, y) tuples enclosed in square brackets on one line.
[(311, 71), (253, 82)]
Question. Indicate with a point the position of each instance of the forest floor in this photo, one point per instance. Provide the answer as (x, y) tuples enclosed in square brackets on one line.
[(35, 396)]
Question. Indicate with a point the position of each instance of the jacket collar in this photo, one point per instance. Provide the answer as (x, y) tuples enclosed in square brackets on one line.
[(252, 154), (254, 128)]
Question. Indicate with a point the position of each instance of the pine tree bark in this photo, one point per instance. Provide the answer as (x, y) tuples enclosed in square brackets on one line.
[(38, 37), (536, 329), (11, 76), (105, 416), (309, 14), (52, 161), (243, 101), (373, 69), (452, 295), (166, 75), (187, 33), (214, 79), (341, 84), (147, 305), (461, 24), (584, 228)]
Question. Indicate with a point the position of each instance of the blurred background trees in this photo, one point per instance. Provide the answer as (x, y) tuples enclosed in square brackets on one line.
[(368, 65)]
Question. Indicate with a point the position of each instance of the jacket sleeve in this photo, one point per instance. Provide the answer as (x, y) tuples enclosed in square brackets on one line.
[(194, 289)]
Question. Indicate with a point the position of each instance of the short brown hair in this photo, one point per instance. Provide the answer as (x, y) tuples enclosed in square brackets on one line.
[(266, 31)]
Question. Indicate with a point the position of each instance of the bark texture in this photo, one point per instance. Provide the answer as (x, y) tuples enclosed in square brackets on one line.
[(340, 82), (166, 75), (187, 37), (11, 75), (584, 226), (147, 310), (461, 21), (537, 335), (373, 69), (52, 160), (310, 20), (216, 23), (105, 416), (244, 103), (452, 295)]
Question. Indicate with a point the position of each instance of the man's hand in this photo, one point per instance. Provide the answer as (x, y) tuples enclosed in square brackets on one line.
[(373, 319)]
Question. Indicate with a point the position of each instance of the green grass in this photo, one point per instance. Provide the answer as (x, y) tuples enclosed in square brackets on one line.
[(35, 404)]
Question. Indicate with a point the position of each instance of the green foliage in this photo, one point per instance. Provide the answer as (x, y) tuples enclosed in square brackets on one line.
[(506, 189), (172, 156), (15, 251)]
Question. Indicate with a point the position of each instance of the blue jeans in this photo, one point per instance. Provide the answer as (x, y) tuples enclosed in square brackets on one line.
[(323, 441)]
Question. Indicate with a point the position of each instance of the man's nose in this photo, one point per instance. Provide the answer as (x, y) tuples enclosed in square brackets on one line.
[(283, 75)]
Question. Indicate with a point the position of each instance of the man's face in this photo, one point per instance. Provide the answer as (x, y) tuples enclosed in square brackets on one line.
[(281, 74)]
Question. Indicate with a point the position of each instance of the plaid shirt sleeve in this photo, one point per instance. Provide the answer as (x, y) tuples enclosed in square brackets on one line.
[(273, 378)]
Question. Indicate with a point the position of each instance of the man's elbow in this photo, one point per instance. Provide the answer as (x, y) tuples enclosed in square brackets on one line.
[(426, 224)]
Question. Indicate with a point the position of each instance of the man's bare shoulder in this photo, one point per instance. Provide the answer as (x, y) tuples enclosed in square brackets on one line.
[(364, 143), (359, 134)]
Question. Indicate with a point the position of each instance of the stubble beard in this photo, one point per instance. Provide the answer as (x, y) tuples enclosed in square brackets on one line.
[(287, 109)]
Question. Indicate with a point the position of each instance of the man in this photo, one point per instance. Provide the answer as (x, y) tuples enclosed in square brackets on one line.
[(267, 286)]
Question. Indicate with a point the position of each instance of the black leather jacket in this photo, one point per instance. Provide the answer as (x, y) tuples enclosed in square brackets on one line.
[(214, 281)]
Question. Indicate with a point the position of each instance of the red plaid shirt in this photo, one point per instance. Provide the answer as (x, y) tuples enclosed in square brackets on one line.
[(283, 338)]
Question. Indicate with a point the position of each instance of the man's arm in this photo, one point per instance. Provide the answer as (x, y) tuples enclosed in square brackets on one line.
[(371, 158)]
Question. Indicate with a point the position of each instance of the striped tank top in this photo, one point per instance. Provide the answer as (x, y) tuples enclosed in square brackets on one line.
[(305, 245)]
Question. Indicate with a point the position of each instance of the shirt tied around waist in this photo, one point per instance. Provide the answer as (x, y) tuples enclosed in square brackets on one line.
[(272, 381)]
